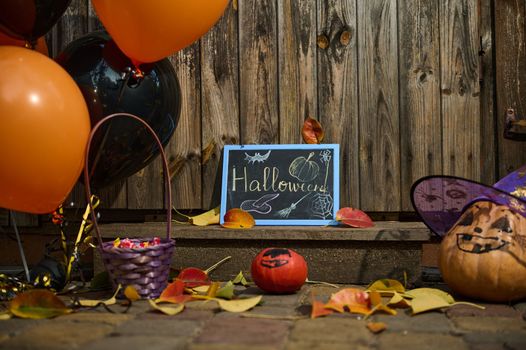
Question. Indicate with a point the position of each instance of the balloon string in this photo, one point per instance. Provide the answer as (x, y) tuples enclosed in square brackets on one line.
[(126, 77), (100, 149), (20, 247)]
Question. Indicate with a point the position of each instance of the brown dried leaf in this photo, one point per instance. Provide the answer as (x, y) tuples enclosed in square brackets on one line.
[(37, 304), (312, 131)]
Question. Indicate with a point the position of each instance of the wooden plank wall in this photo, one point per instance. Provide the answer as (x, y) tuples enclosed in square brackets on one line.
[(407, 88), (510, 55)]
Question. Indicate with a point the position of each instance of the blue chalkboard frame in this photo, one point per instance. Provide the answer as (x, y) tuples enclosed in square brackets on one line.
[(285, 222)]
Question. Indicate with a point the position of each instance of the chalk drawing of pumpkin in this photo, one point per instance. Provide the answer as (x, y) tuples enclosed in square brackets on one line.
[(304, 169)]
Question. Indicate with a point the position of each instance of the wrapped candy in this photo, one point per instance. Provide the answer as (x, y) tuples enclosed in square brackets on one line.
[(135, 243)]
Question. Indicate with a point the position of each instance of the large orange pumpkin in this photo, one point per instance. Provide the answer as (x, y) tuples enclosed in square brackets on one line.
[(483, 255)]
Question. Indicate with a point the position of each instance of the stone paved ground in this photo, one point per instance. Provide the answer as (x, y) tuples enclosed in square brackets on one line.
[(281, 322)]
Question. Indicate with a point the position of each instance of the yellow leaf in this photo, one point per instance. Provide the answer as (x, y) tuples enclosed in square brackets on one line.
[(386, 284), (207, 218), (131, 293), (397, 300), (172, 309), (211, 292), (376, 302), (239, 305), (37, 304), (427, 302), (201, 289), (5, 315), (95, 302), (425, 291)]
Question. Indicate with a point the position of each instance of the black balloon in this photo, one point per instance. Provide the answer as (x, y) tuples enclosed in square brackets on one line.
[(110, 85), (30, 19)]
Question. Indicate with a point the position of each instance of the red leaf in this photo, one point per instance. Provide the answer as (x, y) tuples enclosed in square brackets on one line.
[(312, 131), (174, 293), (354, 218), (193, 277)]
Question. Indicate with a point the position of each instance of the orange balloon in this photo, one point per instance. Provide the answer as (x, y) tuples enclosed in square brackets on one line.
[(147, 31), (44, 128), (40, 46)]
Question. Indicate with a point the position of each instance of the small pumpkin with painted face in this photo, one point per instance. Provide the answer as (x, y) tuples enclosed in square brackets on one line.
[(279, 270), (483, 255)]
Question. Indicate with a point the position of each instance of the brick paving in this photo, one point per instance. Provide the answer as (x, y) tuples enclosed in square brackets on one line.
[(281, 322)]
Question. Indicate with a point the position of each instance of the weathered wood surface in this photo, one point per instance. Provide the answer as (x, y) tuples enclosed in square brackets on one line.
[(419, 69), (220, 101), (258, 102), (400, 85), (459, 46), (184, 149), (296, 67), (488, 132), (382, 231), (337, 68), (510, 56), (379, 132)]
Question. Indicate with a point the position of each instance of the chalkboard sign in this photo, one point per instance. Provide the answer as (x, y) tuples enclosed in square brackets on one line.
[(282, 184)]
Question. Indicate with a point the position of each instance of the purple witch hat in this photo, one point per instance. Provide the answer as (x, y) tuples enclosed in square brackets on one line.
[(441, 200)]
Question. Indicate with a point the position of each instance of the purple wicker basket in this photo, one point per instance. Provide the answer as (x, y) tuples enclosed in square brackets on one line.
[(147, 268)]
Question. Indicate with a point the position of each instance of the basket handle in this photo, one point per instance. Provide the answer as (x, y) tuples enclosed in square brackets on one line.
[(168, 189)]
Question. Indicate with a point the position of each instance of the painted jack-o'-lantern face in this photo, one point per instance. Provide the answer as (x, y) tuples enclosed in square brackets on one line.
[(276, 257), (484, 254)]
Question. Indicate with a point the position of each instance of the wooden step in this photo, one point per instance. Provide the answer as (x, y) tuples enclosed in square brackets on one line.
[(333, 254)]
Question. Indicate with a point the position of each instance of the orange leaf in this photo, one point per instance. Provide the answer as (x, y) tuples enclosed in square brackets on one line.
[(376, 327), (354, 299), (131, 293), (174, 293), (312, 131), (354, 218), (238, 218), (319, 309), (37, 304)]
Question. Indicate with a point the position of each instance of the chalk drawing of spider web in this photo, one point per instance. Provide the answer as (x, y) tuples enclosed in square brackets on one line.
[(321, 205)]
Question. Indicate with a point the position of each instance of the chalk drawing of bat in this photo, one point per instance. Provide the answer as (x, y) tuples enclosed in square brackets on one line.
[(257, 157), (259, 205)]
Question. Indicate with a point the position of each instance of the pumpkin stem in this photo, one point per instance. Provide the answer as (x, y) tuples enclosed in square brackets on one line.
[(321, 282), (310, 156), (213, 267)]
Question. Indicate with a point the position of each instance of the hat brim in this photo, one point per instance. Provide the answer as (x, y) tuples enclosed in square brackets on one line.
[(440, 200)]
